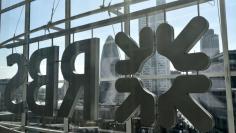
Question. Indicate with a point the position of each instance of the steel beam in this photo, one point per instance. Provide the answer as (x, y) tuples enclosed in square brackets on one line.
[(4, 129), (134, 15), (102, 9), (224, 35), (18, 39), (67, 43), (172, 76), (27, 128), (67, 23), (15, 6), (56, 28), (116, 12), (26, 54), (127, 20), (43, 130)]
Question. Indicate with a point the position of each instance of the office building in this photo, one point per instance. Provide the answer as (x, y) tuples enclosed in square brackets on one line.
[(110, 55), (157, 64), (209, 44)]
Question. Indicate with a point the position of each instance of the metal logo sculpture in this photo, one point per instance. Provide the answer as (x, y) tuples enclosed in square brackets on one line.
[(177, 97), (86, 81), (139, 96)]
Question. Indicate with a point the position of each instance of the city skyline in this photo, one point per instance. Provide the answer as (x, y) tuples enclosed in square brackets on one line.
[(9, 20), (90, 95)]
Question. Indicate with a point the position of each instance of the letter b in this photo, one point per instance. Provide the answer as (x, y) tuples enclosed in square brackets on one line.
[(50, 80)]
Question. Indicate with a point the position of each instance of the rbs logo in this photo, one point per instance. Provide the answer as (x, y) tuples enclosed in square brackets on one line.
[(177, 97), (76, 81)]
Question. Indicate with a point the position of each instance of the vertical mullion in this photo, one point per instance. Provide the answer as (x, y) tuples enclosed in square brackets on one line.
[(67, 43), (26, 54), (230, 113)]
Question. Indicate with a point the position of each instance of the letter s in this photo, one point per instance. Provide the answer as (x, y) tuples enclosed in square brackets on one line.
[(18, 80)]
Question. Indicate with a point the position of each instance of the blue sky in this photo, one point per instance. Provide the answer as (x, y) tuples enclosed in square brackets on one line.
[(41, 12)]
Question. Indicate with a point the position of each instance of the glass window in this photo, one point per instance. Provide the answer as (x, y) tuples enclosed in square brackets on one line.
[(156, 73)]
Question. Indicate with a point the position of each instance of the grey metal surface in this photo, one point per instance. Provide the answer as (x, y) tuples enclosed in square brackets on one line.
[(88, 81), (177, 97), (134, 15), (127, 20), (137, 54), (18, 80), (50, 80), (67, 23), (26, 54), (139, 97), (177, 49)]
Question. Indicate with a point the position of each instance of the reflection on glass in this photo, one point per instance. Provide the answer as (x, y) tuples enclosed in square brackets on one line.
[(156, 66)]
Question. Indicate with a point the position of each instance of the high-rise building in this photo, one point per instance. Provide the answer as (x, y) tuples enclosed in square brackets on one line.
[(215, 100), (152, 21), (157, 64), (110, 55), (209, 44)]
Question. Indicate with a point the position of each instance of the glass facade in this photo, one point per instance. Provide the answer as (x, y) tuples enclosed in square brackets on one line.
[(66, 22)]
